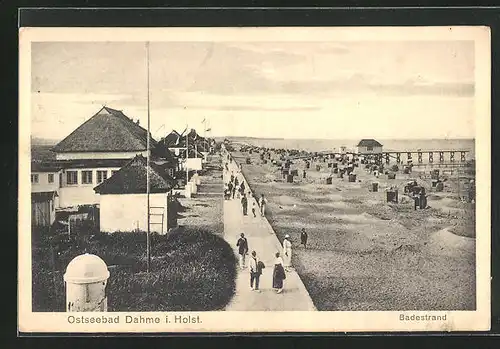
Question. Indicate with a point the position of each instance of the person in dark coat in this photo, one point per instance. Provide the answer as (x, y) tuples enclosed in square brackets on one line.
[(244, 204), (278, 274), (303, 238), (242, 245), (233, 190), (230, 189)]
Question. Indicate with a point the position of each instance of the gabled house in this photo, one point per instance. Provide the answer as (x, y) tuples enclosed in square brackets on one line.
[(177, 143), (96, 150), (369, 146), (123, 199)]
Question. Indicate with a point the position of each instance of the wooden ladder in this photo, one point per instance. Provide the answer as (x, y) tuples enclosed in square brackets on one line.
[(155, 212)]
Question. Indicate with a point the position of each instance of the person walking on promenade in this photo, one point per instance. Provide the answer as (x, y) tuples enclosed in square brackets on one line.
[(242, 245), (303, 238), (287, 252), (244, 204), (278, 274), (253, 209), (233, 189), (262, 204), (256, 267), (232, 176), (230, 189)]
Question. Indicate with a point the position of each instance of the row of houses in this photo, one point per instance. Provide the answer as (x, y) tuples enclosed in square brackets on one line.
[(103, 162)]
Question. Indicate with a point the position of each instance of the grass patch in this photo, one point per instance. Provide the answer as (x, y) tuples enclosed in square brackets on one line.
[(191, 270)]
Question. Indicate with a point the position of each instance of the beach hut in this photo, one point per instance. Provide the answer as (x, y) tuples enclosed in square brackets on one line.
[(369, 146)]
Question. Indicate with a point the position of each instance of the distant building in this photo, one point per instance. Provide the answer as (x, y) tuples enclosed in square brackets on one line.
[(369, 146), (92, 153), (123, 199), (199, 147)]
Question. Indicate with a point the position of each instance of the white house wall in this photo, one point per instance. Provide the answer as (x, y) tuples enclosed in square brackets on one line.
[(81, 194), (43, 182), (128, 212), (99, 155), (376, 150), (194, 163)]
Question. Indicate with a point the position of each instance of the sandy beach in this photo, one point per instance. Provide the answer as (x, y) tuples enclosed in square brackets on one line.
[(364, 253)]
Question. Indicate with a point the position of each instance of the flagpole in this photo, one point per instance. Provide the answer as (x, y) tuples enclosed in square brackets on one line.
[(148, 242), (187, 156)]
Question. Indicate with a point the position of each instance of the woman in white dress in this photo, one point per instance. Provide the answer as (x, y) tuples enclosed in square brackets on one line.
[(287, 253)]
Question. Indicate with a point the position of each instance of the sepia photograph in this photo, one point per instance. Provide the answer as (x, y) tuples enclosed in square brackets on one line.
[(315, 179)]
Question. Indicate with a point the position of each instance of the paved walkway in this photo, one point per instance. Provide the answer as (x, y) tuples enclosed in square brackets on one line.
[(263, 240)]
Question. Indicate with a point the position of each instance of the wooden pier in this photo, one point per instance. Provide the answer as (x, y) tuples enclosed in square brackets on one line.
[(442, 156), (438, 157)]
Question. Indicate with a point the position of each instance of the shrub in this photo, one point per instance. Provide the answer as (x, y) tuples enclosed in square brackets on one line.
[(191, 270)]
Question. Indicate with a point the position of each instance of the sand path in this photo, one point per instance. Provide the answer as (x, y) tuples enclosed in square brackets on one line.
[(263, 240)]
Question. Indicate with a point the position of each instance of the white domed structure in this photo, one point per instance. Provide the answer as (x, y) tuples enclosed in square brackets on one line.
[(86, 278), (86, 268)]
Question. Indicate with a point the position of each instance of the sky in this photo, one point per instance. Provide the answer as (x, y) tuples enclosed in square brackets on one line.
[(328, 90)]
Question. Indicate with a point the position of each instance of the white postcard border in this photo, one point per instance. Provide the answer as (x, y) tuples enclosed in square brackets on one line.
[(320, 321)]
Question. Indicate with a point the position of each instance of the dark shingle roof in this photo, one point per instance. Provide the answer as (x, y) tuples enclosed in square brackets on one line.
[(201, 143), (45, 166), (171, 138), (108, 130), (369, 143), (43, 196), (132, 179)]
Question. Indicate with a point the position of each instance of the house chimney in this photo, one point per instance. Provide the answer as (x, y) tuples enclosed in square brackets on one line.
[(137, 122)]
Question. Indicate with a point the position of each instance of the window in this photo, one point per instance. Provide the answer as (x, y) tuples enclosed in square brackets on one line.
[(171, 172), (369, 148), (34, 178), (71, 177), (102, 176), (113, 172), (60, 178), (51, 178), (86, 177)]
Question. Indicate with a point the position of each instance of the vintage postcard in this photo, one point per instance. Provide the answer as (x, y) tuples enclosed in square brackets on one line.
[(254, 179)]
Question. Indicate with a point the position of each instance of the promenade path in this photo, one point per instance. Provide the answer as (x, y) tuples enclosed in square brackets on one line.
[(263, 240)]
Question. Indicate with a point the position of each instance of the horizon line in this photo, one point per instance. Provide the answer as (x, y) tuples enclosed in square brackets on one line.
[(307, 138)]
